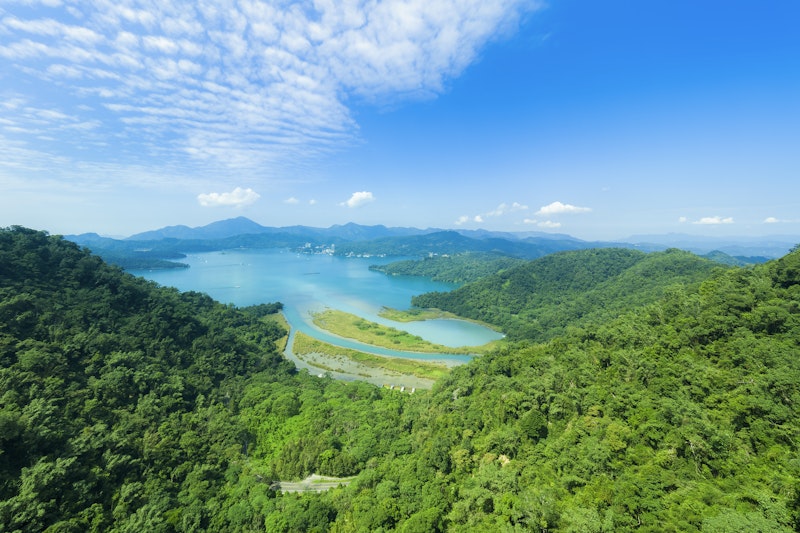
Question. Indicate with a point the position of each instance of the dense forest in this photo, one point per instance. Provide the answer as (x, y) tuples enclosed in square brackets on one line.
[(125, 406), (459, 268), (129, 407), (541, 299)]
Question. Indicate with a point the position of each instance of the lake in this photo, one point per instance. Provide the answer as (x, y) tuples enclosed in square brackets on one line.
[(305, 283)]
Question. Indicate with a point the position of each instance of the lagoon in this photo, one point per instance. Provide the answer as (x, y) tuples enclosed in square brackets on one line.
[(306, 283)]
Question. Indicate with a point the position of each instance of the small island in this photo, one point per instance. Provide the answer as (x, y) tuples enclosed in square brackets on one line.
[(336, 356), (354, 327)]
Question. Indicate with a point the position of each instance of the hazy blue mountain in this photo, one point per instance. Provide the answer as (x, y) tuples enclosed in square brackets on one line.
[(131, 254), (85, 239), (168, 232), (149, 249), (232, 227), (772, 246), (515, 235), (739, 260), (216, 230), (357, 232), (172, 242), (453, 242), (351, 232)]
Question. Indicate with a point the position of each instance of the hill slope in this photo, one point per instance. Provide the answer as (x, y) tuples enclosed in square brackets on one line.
[(129, 407), (679, 416), (540, 299), (460, 268)]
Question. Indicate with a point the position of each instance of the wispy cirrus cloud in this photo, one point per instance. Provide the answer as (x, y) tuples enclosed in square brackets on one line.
[(231, 84)]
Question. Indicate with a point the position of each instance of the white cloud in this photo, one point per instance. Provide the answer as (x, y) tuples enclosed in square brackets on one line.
[(714, 220), (549, 224), (504, 208), (160, 44), (291, 200), (683, 220), (312, 202), (359, 198), (557, 208), (243, 84), (238, 197), (771, 220), (498, 211)]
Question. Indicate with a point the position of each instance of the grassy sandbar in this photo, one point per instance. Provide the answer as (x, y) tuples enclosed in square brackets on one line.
[(415, 314), (361, 330), (305, 344), (372, 333)]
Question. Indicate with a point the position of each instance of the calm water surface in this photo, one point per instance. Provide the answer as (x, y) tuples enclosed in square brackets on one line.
[(306, 283)]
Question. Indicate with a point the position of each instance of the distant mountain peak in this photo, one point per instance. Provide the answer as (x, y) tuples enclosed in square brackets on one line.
[(215, 230)]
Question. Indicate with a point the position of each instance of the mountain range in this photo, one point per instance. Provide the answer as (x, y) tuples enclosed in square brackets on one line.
[(244, 226), (157, 248)]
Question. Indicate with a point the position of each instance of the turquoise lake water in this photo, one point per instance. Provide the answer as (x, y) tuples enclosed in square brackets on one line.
[(305, 283)]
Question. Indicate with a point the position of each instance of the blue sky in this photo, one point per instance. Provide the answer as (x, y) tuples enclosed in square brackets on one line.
[(596, 119)]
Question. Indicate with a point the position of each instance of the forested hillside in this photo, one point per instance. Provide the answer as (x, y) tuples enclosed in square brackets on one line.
[(540, 299), (129, 407), (460, 268), (679, 416), (451, 242)]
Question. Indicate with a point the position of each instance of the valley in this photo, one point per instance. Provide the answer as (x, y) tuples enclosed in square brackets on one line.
[(658, 391)]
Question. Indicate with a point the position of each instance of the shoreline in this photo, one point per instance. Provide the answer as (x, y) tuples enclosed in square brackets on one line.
[(345, 369), (373, 334), (418, 314)]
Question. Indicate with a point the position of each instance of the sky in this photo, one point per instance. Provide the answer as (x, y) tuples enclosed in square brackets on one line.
[(599, 119)]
